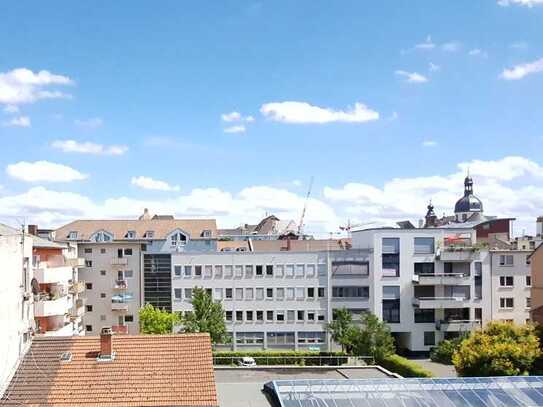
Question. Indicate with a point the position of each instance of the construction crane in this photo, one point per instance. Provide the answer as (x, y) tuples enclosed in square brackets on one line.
[(347, 228), (301, 224)]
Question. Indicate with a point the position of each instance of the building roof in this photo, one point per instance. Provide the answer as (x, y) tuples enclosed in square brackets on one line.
[(469, 202), (119, 228), (521, 391), (147, 370), (310, 245), (233, 246)]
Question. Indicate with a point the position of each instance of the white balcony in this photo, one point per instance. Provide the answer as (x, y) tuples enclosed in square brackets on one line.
[(76, 262), (458, 254), (441, 279), (45, 308), (441, 302), (119, 306), (46, 274), (458, 326), (66, 330)]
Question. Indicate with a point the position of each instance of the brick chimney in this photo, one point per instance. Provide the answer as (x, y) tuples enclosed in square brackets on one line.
[(106, 340)]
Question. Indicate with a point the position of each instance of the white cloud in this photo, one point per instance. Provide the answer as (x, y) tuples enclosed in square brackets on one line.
[(21, 86), (412, 77), (11, 109), (19, 121), (433, 67), (520, 71), (527, 3), (476, 52), (519, 45), (302, 112), (89, 124), (235, 129), (87, 147), (452, 46), (236, 117), (393, 116), (426, 45), (154, 184), (429, 143), (44, 171)]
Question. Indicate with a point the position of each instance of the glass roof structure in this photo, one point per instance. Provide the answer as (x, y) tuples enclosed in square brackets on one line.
[(521, 391)]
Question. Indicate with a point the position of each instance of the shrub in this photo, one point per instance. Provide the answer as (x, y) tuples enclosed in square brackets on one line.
[(404, 367), (501, 349), (270, 358), (444, 351)]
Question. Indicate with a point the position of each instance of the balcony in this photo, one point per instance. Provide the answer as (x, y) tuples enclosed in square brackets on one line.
[(48, 307), (66, 330), (77, 262), (47, 273), (120, 329), (120, 285), (119, 261), (458, 254), (464, 325), (119, 306), (440, 302), (441, 279), (77, 287)]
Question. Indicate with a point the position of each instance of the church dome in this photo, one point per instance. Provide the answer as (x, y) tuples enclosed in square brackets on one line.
[(469, 202)]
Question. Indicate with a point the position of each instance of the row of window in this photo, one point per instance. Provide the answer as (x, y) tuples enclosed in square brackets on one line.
[(259, 293), (508, 281), (275, 316), (103, 236), (509, 302), (422, 245), (248, 270), (279, 338)]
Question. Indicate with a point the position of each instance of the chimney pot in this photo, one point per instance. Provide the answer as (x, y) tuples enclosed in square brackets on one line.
[(106, 348)]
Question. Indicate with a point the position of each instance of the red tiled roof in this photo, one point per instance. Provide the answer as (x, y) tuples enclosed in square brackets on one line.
[(147, 370)]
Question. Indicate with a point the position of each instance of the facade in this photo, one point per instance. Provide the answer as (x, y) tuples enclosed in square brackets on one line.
[(536, 264)]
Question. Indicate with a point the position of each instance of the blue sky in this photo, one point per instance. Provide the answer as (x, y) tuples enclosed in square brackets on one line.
[(141, 89)]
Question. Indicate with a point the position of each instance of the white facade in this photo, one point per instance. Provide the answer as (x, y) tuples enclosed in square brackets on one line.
[(16, 308), (511, 286)]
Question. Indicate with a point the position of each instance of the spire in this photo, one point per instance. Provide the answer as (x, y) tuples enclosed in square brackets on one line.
[(430, 217), (468, 185)]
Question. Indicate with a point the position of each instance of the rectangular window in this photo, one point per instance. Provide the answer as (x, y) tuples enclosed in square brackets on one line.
[(188, 294), (89, 308), (528, 302), (249, 294), (188, 271), (238, 271), (429, 338), (391, 311), (269, 316), (279, 270), (289, 270), (320, 315), (239, 293), (322, 269), (300, 269), (506, 302), (424, 245), (300, 293), (218, 294), (290, 293), (177, 293), (290, 315), (88, 328), (88, 286), (506, 281), (228, 315), (280, 315), (350, 292), (311, 337), (198, 271), (248, 271), (102, 251), (506, 260), (310, 270), (259, 270), (228, 271), (350, 268), (310, 292), (424, 268), (423, 316), (208, 271), (239, 316), (280, 293), (103, 273), (260, 315), (128, 273), (391, 292), (269, 292), (269, 270), (129, 318), (391, 257), (321, 292), (300, 315), (249, 315), (218, 271), (88, 250), (88, 263), (177, 271), (128, 252), (228, 293), (310, 315), (528, 281), (259, 293)]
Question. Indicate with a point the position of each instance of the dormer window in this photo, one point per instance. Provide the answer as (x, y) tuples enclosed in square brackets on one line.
[(131, 234), (101, 236), (206, 233), (178, 238), (149, 234), (72, 235)]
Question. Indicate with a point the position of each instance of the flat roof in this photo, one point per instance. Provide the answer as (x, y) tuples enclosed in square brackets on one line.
[(521, 391), (244, 387)]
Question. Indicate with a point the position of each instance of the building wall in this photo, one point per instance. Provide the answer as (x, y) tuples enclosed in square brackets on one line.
[(520, 291), (536, 264), (102, 275), (16, 314)]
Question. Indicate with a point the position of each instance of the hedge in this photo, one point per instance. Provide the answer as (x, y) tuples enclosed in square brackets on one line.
[(404, 367), (267, 358)]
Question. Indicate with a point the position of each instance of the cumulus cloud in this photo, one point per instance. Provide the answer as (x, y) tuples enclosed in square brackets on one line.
[(302, 112), (11, 109), (412, 77), (87, 147), (153, 184), (452, 46), (89, 124), (43, 171), (527, 3), (426, 45), (21, 85), (236, 117), (477, 52), (429, 143), (520, 71), (19, 121), (240, 128)]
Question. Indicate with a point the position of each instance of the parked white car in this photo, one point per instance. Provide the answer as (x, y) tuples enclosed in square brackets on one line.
[(247, 362)]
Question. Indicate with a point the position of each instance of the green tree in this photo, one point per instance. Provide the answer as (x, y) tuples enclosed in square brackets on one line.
[(501, 349), (444, 351), (206, 316), (156, 321), (339, 328), (373, 338)]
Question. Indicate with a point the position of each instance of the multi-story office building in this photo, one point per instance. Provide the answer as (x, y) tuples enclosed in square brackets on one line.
[(128, 264)]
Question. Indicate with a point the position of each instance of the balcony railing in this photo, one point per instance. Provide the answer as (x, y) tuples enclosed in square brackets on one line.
[(77, 262), (49, 306), (120, 285), (460, 325), (119, 306), (440, 279), (441, 302), (119, 261), (120, 329)]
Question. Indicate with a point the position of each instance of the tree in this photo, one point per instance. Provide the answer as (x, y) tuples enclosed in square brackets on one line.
[(372, 339), (339, 328), (156, 321), (501, 349), (206, 316), (444, 351)]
